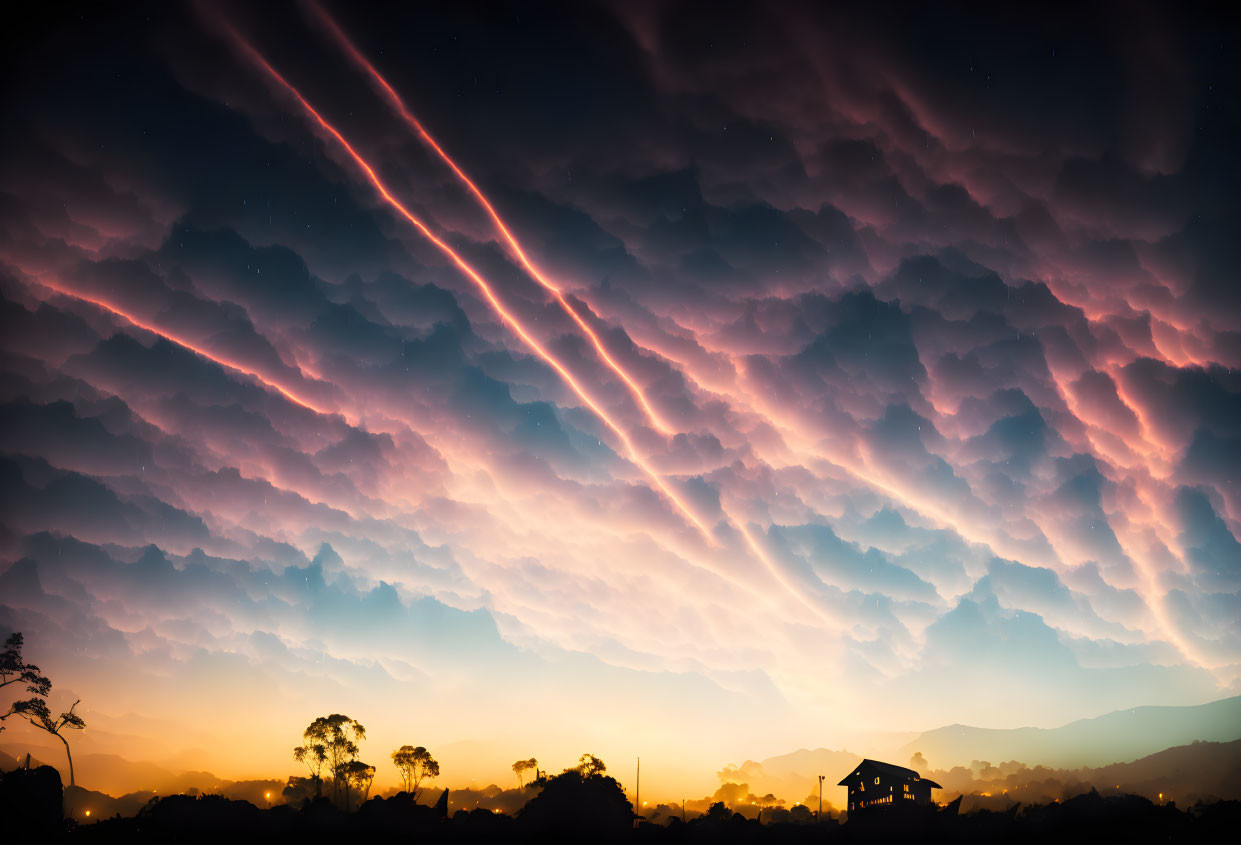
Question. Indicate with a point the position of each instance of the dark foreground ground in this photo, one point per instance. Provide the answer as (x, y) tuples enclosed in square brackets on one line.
[(30, 811)]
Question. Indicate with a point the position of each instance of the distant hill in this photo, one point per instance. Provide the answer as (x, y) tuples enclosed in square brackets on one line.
[(1118, 737), (78, 802), (8, 761), (1200, 771), (112, 773), (123, 786), (1188, 746), (795, 776)]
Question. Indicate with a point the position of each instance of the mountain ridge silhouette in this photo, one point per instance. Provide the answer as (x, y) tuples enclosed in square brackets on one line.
[(1118, 737)]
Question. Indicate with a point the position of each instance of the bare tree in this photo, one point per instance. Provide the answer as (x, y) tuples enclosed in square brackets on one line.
[(521, 767), (36, 712), (415, 764)]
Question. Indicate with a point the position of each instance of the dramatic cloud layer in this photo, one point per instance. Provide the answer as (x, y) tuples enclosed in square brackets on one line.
[(830, 377)]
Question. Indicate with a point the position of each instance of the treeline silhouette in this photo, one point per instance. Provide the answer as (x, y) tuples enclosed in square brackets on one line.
[(587, 807), (582, 803)]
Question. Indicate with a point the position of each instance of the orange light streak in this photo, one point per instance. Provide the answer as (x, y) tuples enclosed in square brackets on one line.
[(774, 571), (867, 473), (197, 350), (403, 111), (512, 520), (511, 321)]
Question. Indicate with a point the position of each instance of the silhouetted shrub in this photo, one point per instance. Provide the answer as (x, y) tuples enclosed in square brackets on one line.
[(204, 814), (31, 802), (398, 814), (584, 807)]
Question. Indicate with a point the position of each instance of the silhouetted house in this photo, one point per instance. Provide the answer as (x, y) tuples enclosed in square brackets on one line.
[(875, 784)]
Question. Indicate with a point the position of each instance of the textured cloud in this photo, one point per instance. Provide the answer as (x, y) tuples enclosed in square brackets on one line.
[(943, 332)]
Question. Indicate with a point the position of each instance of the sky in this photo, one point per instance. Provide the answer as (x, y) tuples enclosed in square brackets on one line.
[(693, 381)]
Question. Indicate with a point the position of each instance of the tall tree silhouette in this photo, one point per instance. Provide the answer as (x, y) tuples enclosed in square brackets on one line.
[(15, 670), (314, 756), (359, 776), (36, 712), (521, 767), (415, 765), (339, 736)]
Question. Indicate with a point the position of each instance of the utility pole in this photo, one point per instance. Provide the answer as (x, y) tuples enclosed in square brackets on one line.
[(637, 795), (819, 817)]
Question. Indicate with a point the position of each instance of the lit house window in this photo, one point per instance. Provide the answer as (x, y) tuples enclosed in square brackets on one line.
[(876, 780), (906, 787)]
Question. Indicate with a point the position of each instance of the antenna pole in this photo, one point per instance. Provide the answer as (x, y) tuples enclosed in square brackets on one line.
[(637, 796)]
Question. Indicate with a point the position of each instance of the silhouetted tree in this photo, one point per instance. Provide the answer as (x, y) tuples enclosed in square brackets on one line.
[(521, 767), (415, 765), (298, 791), (36, 712), (15, 670), (314, 756), (359, 776), (589, 764), (339, 735), (584, 807)]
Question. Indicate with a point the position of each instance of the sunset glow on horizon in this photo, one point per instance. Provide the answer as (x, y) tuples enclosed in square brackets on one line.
[(643, 381)]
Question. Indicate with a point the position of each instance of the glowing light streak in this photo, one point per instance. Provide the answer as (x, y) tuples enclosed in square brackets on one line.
[(864, 471), (509, 319), (403, 111), (1145, 458), (1166, 452), (192, 347), (1154, 598), (761, 554)]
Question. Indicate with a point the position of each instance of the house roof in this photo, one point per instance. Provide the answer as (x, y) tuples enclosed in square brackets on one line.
[(889, 771)]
